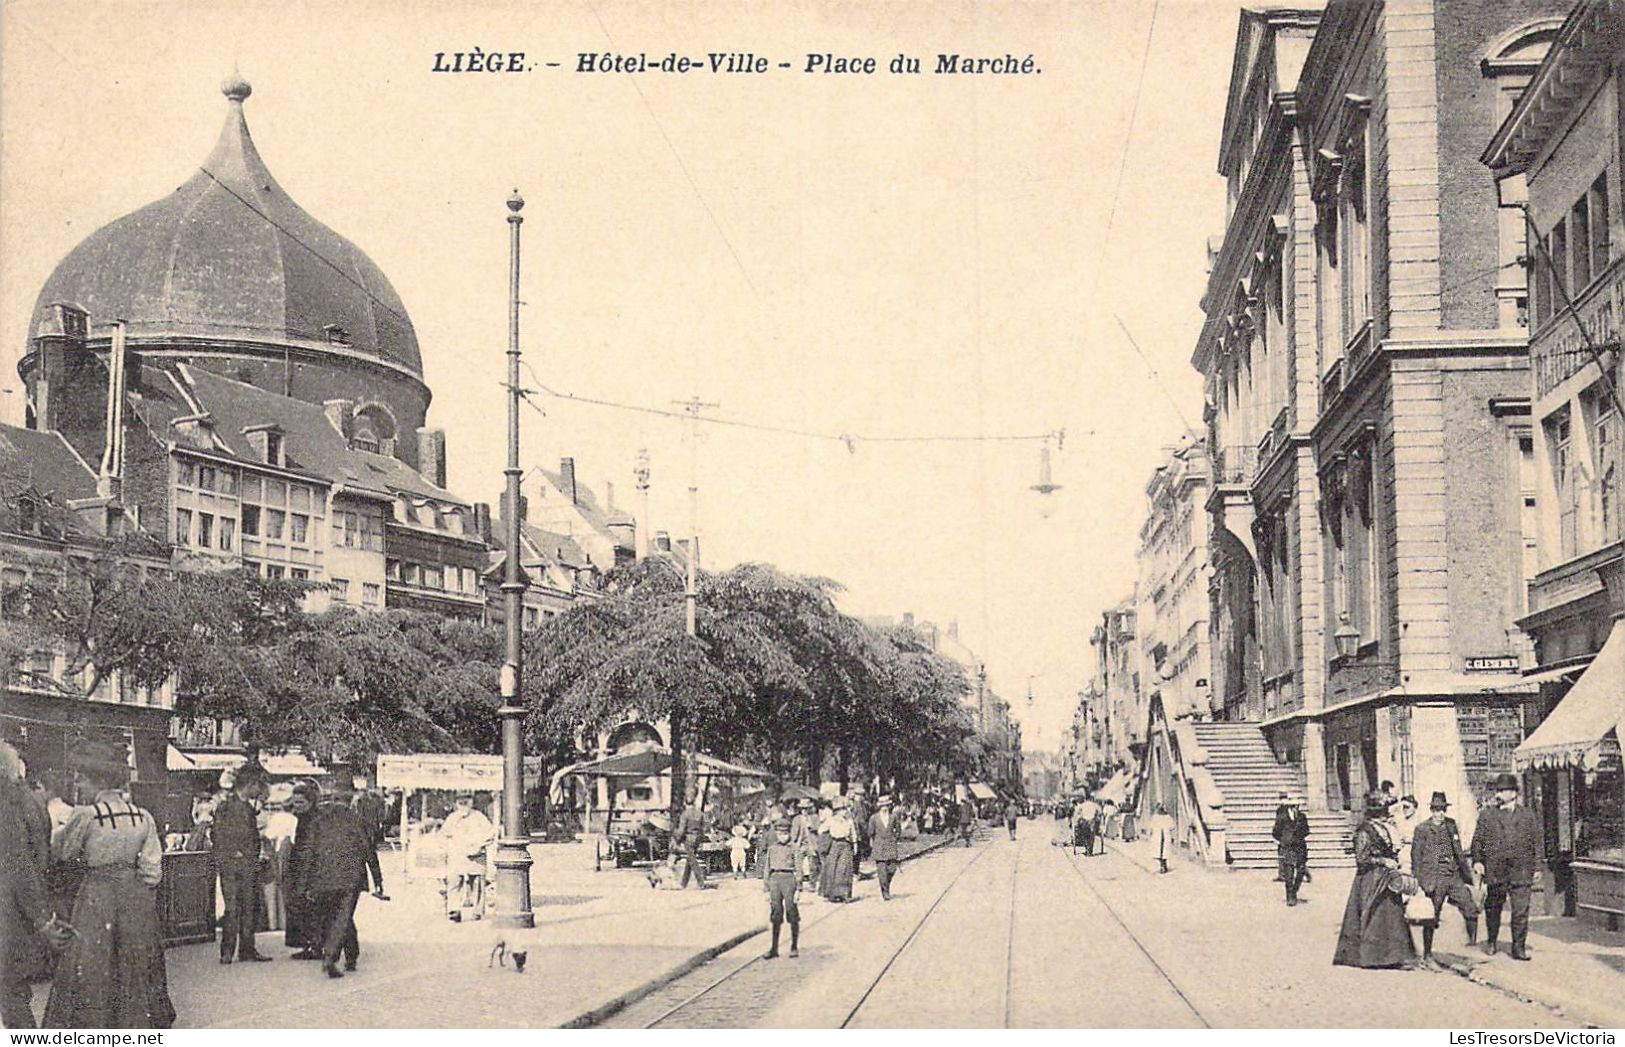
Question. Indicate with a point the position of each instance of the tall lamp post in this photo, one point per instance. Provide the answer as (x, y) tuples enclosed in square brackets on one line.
[(513, 849)]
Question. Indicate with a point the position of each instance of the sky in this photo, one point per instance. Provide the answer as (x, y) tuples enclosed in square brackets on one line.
[(883, 255)]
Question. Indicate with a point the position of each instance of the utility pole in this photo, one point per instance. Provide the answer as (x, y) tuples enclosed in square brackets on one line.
[(691, 592), (513, 849)]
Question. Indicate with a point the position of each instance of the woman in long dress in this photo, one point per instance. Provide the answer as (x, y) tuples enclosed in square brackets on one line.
[(842, 844), (302, 926), (821, 849), (1374, 932), (111, 975)]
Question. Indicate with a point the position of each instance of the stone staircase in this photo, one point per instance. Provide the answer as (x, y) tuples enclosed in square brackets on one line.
[(1245, 770)]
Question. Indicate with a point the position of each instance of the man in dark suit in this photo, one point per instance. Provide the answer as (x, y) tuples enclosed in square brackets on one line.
[(1291, 834), (882, 830), (1442, 871), (236, 845), (343, 852), (691, 830), (1507, 852)]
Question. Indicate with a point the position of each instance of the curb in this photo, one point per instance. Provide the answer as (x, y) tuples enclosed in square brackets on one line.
[(609, 1008), (1576, 1008), (921, 853)]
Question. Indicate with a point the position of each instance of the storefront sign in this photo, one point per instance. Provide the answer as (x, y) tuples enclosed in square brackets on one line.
[(1499, 663), (473, 772)]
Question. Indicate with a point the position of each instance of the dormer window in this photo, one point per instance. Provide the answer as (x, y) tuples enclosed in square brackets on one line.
[(336, 334), (268, 443)]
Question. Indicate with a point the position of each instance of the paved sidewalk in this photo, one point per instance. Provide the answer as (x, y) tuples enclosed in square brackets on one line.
[(600, 939), (1578, 972)]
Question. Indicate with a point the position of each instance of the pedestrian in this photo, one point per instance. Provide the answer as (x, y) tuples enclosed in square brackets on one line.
[(1291, 834), (822, 847), (967, 818), (111, 974), (780, 878), (373, 809), (1507, 853), (27, 926), (804, 836), (236, 847), (1374, 932), (1161, 830), (1442, 872), (1084, 816), (858, 812), (276, 835), (739, 849), (1012, 813), (302, 930), (343, 853), (842, 851), (468, 834), (1406, 822), (883, 844), (1283, 802), (691, 831)]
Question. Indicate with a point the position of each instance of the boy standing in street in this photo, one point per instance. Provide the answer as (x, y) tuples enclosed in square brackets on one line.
[(780, 878)]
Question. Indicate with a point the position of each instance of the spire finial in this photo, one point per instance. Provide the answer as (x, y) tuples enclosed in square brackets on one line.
[(235, 87)]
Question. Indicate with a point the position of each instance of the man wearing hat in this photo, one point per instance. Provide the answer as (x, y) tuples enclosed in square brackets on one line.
[(780, 878), (1291, 834), (804, 837), (236, 846), (1442, 871), (1507, 853), (883, 844)]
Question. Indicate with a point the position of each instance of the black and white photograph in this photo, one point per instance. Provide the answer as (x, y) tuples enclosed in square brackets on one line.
[(833, 514)]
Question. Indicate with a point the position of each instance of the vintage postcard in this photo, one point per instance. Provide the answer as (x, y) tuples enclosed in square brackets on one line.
[(922, 515)]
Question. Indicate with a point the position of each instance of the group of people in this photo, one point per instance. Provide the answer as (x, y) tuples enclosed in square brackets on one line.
[(307, 859), (1407, 868)]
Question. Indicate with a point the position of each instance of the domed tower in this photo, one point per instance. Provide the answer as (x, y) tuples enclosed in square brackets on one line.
[(228, 273)]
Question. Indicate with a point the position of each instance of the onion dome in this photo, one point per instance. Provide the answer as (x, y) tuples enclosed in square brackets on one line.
[(229, 257)]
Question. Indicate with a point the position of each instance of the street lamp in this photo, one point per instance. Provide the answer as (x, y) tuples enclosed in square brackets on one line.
[(1346, 639), (513, 848)]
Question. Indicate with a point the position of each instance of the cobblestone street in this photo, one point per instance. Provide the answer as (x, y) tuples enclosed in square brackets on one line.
[(1026, 935)]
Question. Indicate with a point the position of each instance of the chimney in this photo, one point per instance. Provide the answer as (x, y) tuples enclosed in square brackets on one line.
[(339, 414), (110, 481), (432, 455), (609, 494), (640, 474), (908, 619), (567, 479), (482, 521), (953, 629), (662, 542)]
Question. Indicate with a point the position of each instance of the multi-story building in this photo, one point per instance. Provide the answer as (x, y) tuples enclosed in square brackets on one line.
[(1172, 623), (1365, 364), (1559, 152), (1121, 703), (1422, 440)]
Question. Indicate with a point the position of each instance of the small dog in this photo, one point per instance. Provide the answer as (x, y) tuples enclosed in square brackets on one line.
[(500, 953)]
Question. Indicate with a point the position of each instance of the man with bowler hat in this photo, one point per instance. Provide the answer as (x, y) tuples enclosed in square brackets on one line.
[(1507, 852), (1442, 871), (1291, 834)]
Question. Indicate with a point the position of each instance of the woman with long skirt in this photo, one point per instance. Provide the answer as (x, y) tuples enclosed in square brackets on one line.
[(821, 850), (1374, 932), (302, 931), (842, 851), (111, 975)]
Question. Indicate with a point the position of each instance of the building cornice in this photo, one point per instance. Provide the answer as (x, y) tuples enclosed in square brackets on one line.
[(1582, 54)]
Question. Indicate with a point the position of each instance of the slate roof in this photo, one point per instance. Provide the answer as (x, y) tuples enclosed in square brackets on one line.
[(45, 463), (230, 256)]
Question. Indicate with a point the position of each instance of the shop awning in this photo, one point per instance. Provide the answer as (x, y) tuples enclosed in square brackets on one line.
[(175, 760), (981, 791), (1115, 790), (1574, 732)]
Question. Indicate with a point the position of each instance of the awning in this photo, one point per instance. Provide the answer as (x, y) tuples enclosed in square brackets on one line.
[(175, 760), (1572, 735), (1115, 790), (1553, 675), (981, 791)]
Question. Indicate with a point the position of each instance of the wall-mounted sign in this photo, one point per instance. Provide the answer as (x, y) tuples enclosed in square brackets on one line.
[(1496, 663)]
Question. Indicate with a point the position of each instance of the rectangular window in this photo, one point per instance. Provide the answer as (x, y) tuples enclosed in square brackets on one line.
[(1598, 205), (1580, 229), (228, 481), (185, 473), (251, 520), (392, 570), (276, 492), (298, 527), (274, 521), (299, 498), (252, 488), (273, 448), (205, 531), (1356, 243), (370, 594), (1558, 249), (1605, 445), (299, 574), (533, 617), (433, 578), (183, 527), (1559, 437), (412, 574), (340, 588), (206, 477), (275, 570)]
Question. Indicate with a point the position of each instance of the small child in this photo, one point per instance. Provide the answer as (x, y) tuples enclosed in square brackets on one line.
[(739, 849)]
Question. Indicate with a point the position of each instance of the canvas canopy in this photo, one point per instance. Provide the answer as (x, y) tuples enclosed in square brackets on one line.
[(1575, 732)]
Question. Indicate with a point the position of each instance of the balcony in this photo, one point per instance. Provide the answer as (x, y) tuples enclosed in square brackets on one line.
[(1235, 466)]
